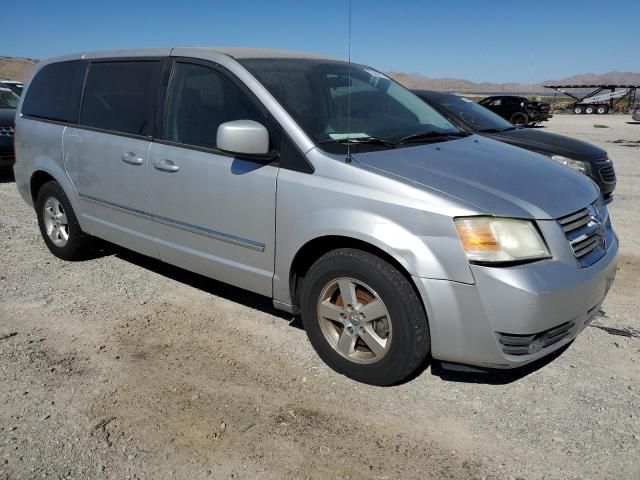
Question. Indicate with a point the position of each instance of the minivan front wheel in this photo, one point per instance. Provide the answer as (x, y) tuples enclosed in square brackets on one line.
[(364, 318), (58, 223)]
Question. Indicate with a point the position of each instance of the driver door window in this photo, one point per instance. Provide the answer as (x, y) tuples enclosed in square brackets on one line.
[(200, 100)]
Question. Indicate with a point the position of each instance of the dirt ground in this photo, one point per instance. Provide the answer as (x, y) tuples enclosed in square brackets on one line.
[(122, 367)]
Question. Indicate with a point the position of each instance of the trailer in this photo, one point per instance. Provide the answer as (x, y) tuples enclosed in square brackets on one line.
[(601, 99)]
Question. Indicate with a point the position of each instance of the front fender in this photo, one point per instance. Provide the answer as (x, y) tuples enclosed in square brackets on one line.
[(425, 244)]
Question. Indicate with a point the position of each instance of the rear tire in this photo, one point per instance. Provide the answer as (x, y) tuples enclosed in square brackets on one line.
[(602, 110), (59, 225), (364, 318), (589, 110), (578, 110)]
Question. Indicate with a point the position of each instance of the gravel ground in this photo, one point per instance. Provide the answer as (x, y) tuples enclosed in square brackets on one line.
[(122, 367)]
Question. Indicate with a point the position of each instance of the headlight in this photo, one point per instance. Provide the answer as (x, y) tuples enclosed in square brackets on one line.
[(582, 167), (489, 239)]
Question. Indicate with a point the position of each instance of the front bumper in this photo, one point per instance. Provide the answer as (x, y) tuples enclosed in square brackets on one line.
[(539, 116), (7, 158), (468, 323)]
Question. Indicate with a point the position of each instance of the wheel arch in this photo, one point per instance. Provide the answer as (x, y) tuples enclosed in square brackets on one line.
[(316, 247), (45, 171), (37, 180)]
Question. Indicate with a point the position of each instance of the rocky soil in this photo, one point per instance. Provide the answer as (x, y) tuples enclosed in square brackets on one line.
[(122, 367)]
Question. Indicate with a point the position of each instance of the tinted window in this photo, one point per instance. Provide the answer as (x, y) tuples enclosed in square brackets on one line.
[(55, 92), (316, 94), (200, 99), (121, 96)]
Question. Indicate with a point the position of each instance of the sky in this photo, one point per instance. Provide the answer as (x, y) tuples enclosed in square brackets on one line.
[(490, 40)]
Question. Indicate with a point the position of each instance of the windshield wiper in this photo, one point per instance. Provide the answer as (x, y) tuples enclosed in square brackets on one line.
[(361, 141), (426, 136)]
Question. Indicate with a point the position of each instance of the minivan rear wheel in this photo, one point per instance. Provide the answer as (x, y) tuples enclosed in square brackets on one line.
[(58, 223), (364, 318)]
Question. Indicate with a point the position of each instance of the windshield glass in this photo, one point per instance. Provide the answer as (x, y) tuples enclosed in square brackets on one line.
[(315, 93), (8, 99), (476, 116)]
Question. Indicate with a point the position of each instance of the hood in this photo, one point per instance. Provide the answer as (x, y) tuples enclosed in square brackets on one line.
[(550, 144), (495, 178), (7, 116)]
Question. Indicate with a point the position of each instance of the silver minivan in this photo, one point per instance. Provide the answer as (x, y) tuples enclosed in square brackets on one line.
[(326, 186)]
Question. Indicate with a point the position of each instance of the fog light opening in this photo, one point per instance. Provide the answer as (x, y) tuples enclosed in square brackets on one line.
[(536, 345)]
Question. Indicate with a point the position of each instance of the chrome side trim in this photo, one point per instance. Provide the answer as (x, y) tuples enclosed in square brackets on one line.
[(224, 237), (243, 242), (115, 206)]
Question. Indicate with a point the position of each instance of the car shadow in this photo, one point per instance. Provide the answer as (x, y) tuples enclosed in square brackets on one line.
[(205, 284), (632, 123), (6, 176), (265, 305), (493, 376)]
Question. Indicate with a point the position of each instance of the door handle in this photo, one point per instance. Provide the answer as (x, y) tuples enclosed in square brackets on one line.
[(132, 159), (165, 166)]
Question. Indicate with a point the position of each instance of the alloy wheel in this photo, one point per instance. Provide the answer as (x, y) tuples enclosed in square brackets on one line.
[(55, 222), (354, 320)]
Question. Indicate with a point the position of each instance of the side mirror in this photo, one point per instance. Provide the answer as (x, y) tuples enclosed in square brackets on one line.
[(243, 136)]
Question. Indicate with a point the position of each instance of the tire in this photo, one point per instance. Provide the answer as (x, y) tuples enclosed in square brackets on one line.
[(602, 110), (399, 331), (589, 110), (59, 225), (519, 119), (578, 110)]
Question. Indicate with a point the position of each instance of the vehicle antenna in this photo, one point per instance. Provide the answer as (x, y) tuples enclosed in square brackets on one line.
[(348, 158)]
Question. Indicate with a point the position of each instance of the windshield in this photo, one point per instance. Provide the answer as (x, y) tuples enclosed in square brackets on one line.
[(475, 116), (8, 99), (315, 93)]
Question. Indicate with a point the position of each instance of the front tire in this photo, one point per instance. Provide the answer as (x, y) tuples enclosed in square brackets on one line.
[(519, 119), (58, 223), (364, 318)]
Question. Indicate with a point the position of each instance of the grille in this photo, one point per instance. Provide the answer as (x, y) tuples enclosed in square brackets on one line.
[(608, 174), (6, 156), (585, 231), (515, 344), (6, 131)]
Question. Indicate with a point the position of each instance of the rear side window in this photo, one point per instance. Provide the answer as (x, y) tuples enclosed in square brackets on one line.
[(120, 96), (200, 99), (55, 92)]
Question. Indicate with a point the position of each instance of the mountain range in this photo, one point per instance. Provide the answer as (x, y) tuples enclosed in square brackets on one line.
[(15, 68), (419, 81)]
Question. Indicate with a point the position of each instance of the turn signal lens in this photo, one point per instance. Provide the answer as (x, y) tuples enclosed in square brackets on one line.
[(489, 239)]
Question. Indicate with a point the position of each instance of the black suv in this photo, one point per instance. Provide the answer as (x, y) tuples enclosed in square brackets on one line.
[(518, 110), (474, 118), (8, 104)]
